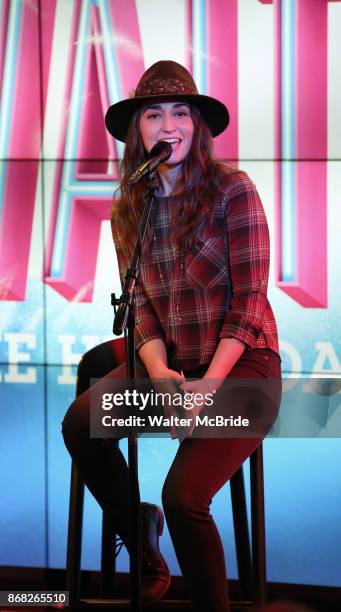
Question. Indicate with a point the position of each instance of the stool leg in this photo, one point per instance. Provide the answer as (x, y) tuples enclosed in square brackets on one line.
[(241, 532), (258, 524), (108, 559), (74, 539)]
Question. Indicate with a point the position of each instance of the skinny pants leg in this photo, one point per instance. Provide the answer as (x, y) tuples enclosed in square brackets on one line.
[(100, 461), (200, 468)]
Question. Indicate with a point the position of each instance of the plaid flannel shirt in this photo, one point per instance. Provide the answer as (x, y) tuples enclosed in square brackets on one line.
[(222, 289)]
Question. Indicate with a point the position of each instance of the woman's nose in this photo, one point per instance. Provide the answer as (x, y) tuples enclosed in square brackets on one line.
[(168, 124)]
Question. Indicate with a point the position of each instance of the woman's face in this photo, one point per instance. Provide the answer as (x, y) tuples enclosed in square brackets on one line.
[(169, 121)]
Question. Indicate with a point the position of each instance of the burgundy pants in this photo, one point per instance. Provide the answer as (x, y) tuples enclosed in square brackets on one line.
[(200, 468)]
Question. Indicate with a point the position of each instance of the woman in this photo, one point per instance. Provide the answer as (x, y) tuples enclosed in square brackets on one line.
[(202, 311)]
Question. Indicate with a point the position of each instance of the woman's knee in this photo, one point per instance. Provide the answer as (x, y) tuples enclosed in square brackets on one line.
[(76, 422), (95, 363)]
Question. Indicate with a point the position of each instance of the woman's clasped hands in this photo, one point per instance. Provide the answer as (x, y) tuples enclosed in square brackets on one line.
[(166, 382), (196, 394)]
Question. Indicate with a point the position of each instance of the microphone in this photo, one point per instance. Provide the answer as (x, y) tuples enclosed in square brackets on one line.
[(161, 151)]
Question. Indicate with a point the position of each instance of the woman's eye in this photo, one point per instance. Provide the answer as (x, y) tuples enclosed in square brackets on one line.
[(182, 114), (153, 116)]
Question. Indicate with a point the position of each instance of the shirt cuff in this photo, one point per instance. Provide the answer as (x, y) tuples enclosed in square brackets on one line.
[(247, 333), (147, 330)]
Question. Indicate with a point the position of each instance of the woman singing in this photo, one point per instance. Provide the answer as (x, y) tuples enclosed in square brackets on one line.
[(202, 318)]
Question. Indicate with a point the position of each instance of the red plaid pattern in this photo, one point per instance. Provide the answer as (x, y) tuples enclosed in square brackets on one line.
[(223, 284)]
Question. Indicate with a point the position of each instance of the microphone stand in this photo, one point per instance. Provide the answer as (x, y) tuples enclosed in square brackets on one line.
[(125, 321)]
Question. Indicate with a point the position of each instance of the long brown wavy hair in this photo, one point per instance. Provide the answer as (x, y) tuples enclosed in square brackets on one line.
[(198, 180)]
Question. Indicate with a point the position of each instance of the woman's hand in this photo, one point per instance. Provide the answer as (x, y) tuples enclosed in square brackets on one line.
[(166, 381), (162, 371), (199, 389), (154, 356)]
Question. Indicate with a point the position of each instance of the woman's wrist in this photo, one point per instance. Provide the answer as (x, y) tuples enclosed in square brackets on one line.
[(227, 353), (154, 356), (156, 370)]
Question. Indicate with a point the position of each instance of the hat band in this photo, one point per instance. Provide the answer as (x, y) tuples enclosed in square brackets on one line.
[(162, 86)]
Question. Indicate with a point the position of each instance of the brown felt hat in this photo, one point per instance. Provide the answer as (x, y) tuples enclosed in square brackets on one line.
[(163, 81)]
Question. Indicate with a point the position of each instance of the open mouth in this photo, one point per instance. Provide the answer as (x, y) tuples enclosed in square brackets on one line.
[(173, 141)]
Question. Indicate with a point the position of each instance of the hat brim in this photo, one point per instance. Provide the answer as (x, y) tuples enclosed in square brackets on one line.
[(214, 113)]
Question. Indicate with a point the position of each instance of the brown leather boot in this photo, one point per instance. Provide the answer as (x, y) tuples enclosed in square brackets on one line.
[(155, 573)]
